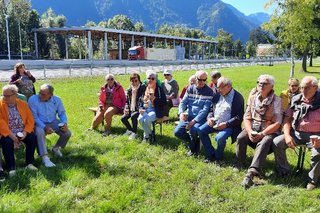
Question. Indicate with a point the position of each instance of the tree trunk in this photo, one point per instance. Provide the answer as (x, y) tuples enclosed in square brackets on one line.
[(311, 62), (304, 60), (292, 62)]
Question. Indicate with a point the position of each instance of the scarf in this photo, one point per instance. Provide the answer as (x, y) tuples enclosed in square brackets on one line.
[(134, 98), (260, 107), (150, 88)]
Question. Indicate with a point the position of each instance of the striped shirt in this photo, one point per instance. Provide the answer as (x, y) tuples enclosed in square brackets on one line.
[(309, 123)]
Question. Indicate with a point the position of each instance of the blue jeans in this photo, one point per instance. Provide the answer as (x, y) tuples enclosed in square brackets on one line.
[(191, 137), (221, 139), (146, 120)]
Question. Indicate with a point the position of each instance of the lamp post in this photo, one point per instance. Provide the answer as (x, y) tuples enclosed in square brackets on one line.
[(8, 41)]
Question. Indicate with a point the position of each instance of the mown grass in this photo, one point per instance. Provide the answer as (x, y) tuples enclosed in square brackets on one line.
[(114, 175)]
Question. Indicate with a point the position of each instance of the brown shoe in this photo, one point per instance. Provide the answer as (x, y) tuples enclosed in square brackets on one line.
[(311, 186)]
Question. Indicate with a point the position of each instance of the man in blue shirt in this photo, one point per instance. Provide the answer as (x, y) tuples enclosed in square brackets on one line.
[(225, 119), (198, 99), (45, 108)]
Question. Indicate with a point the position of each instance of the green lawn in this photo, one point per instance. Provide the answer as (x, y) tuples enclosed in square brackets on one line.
[(114, 175)]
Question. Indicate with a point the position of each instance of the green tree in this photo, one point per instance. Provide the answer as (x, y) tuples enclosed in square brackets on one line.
[(225, 42), (139, 27), (294, 22)]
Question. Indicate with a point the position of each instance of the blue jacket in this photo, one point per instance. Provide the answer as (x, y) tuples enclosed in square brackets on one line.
[(198, 102), (237, 111)]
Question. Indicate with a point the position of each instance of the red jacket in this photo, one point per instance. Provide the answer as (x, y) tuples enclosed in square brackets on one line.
[(119, 97)]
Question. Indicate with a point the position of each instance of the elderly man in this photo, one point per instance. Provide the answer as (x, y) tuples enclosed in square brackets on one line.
[(262, 121), (45, 108), (302, 120), (16, 126), (198, 100), (226, 119), (171, 90)]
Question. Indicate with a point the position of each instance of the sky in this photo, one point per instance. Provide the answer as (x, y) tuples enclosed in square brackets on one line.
[(248, 6)]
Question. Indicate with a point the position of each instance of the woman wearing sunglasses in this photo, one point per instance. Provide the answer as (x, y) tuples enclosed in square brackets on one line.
[(111, 102), (151, 105), (131, 109)]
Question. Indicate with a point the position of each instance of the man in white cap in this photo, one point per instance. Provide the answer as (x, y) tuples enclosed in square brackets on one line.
[(171, 90)]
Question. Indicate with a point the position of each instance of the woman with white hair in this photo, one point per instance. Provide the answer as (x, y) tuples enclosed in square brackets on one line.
[(262, 121), (112, 100), (151, 105)]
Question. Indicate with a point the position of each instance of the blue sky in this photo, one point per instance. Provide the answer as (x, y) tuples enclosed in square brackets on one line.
[(248, 6)]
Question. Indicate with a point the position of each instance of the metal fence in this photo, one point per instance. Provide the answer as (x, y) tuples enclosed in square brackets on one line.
[(43, 69)]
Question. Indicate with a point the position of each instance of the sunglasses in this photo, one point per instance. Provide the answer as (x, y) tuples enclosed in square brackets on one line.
[(151, 78), (134, 80), (263, 84), (294, 85), (204, 80), (110, 79), (166, 74)]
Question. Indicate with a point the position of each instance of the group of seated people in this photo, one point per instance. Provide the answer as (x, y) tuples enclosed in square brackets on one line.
[(29, 123), (270, 123)]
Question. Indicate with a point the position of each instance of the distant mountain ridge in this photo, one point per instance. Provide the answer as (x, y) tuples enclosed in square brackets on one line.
[(208, 15)]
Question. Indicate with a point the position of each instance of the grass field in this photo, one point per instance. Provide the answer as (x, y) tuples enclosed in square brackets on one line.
[(112, 174)]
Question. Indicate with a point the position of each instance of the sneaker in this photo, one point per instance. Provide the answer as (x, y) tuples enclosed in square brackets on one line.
[(12, 173), (2, 176), (127, 133), (247, 182), (311, 186), (145, 140), (133, 136), (47, 162), (106, 133), (56, 151), (31, 167), (190, 153)]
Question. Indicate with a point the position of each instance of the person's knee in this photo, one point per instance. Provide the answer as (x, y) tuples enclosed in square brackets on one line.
[(219, 138)]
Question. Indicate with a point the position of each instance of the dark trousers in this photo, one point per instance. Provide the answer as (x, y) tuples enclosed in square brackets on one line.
[(134, 119), (167, 107), (8, 150)]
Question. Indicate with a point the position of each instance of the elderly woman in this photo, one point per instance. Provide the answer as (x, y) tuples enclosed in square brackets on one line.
[(262, 120), (151, 106), (286, 95), (23, 80), (134, 94), (16, 126), (171, 90), (112, 100)]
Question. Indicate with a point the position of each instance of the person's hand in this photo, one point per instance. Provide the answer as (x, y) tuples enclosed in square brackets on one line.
[(141, 111), (64, 128), (101, 108), (190, 124), (289, 141), (24, 135), (19, 81), (183, 117), (48, 130), (316, 143), (221, 126), (16, 142), (151, 98), (255, 138), (126, 111), (28, 73), (211, 122)]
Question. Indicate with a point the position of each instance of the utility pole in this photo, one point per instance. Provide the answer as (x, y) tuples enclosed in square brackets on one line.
[(8, 39)]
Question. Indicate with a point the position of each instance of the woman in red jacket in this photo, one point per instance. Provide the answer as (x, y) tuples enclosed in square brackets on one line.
[(112, 100)]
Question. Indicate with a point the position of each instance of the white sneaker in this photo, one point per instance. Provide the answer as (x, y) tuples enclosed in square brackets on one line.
[(31, 167), (56, 151), (47, 162), (12, 173), (127, 133), (133, 136)]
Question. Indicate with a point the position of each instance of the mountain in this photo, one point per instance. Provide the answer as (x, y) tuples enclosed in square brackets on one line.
[(208, 15), (259, 18)]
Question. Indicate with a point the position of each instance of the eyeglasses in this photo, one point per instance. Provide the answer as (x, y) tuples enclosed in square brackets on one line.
[(166, 74), (306, 87), (294, 85), (204, 80), (134, 80), (110, 79), (8, 96), (151, 78), (219, 88), (263, 84)]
